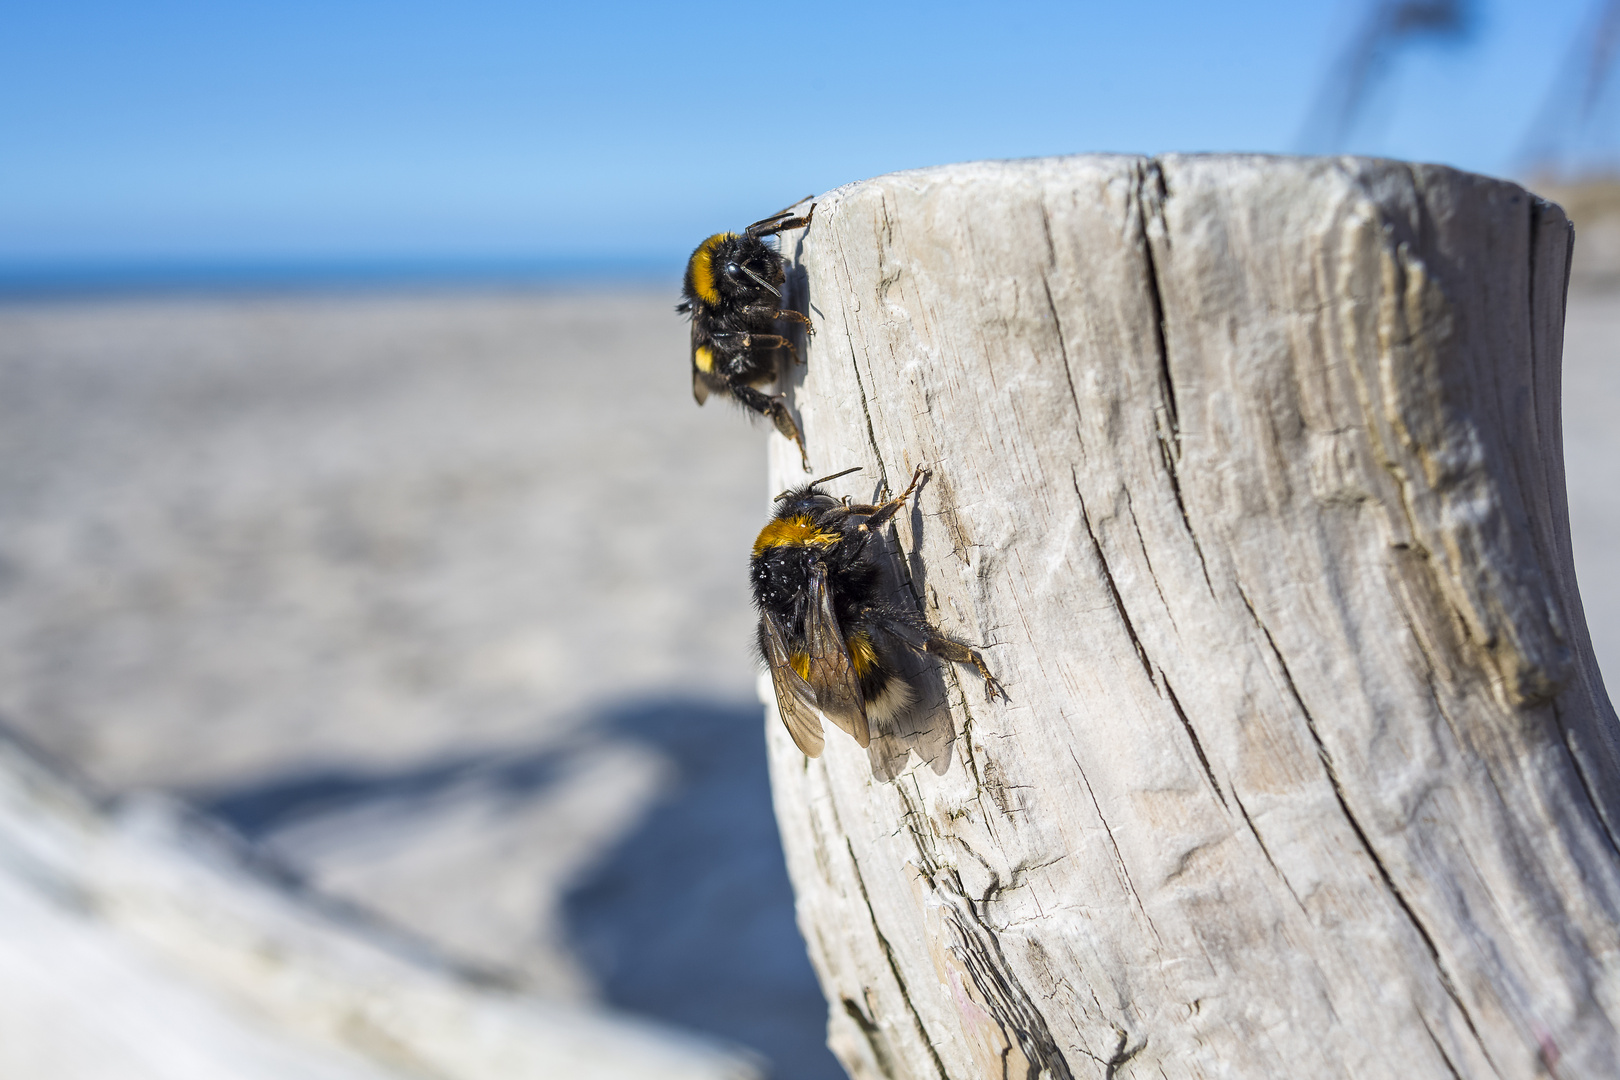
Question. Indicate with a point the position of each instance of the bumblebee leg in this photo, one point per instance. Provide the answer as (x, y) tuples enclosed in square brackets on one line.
[(957, 653), (771, 341), (916, 633), (880, 515), (770, 313), (773, 408), (774, 312), (789, 315), (781, 222)]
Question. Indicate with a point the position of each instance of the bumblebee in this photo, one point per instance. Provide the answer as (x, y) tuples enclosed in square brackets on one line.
[(733, 291), (830, 641)]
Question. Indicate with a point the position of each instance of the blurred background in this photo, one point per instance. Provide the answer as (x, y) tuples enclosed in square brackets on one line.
[(356, 525)]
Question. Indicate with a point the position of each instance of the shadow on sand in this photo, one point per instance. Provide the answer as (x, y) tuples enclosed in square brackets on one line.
[(690, 919)]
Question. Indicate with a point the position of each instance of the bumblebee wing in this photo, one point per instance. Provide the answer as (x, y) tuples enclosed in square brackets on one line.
[(838, 691), (795, 701), (700, 389)]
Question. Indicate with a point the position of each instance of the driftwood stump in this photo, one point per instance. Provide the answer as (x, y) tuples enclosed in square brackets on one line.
[(1248, 477)]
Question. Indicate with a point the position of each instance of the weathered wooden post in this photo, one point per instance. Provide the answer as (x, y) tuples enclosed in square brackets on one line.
[(1248, 473)]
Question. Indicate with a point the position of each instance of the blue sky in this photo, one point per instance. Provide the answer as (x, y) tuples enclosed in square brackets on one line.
[(189, 130)]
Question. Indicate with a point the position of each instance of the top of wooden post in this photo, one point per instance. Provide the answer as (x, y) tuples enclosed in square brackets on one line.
[(1248, 480)]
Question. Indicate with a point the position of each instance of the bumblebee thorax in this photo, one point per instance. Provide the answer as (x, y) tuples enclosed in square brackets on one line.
[(795, 531), (779, 576), (701, 270)]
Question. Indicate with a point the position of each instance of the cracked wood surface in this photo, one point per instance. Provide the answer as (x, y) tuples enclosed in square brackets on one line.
[(1249, 480)]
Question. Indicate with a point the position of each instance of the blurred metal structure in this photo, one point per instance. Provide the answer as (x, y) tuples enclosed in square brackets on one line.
[(1574, 135), (1385, 28)]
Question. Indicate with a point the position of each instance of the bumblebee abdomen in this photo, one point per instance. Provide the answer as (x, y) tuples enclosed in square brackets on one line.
[(884, 690), (862, 656)]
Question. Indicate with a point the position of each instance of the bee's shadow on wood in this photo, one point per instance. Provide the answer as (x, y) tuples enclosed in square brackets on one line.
[(925, 728), (795, 297)]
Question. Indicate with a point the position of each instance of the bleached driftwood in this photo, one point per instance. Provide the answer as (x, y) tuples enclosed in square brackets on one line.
[(1248, 476), (144, 945)]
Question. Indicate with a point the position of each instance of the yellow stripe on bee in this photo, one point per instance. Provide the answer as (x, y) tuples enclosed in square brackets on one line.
[(801, 663), (703, 357), (862, 657), (703, 267), (796, 531)]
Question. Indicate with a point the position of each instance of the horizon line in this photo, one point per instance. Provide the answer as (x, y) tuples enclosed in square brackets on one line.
[(26, 279)]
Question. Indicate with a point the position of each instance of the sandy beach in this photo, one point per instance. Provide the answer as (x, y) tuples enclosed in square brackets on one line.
[(439, 599), (1591, 449)]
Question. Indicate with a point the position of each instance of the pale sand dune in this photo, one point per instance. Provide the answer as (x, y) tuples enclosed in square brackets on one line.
[(441, 600)]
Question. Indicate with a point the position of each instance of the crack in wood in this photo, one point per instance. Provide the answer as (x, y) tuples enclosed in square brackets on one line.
[(1141, 542), (1159, 195), (1155, 674), (1451, 1066), (1264, 850), (1063, 353), (873, 1035), (1119, 858), (1192, 734), (860, 385), (1580, 774), (1443, 975), (977, 951), (1113, 589), (1151, 188), (894, 964)]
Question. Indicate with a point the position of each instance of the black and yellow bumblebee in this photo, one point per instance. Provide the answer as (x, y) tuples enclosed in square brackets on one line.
[(830, 640), (733, 291)]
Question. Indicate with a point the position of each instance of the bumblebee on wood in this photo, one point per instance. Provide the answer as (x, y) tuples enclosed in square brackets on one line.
[(831, 642), (733, 291)]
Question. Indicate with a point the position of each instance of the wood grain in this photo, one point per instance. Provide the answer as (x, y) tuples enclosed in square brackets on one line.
[(1248, 479)]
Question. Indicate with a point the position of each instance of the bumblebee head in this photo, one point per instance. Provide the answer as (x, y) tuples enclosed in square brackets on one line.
[(732, 268), (810, 497)]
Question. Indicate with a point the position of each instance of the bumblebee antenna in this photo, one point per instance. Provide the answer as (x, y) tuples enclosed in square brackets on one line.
[(834, 476), (765, 284), (816, 483)]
